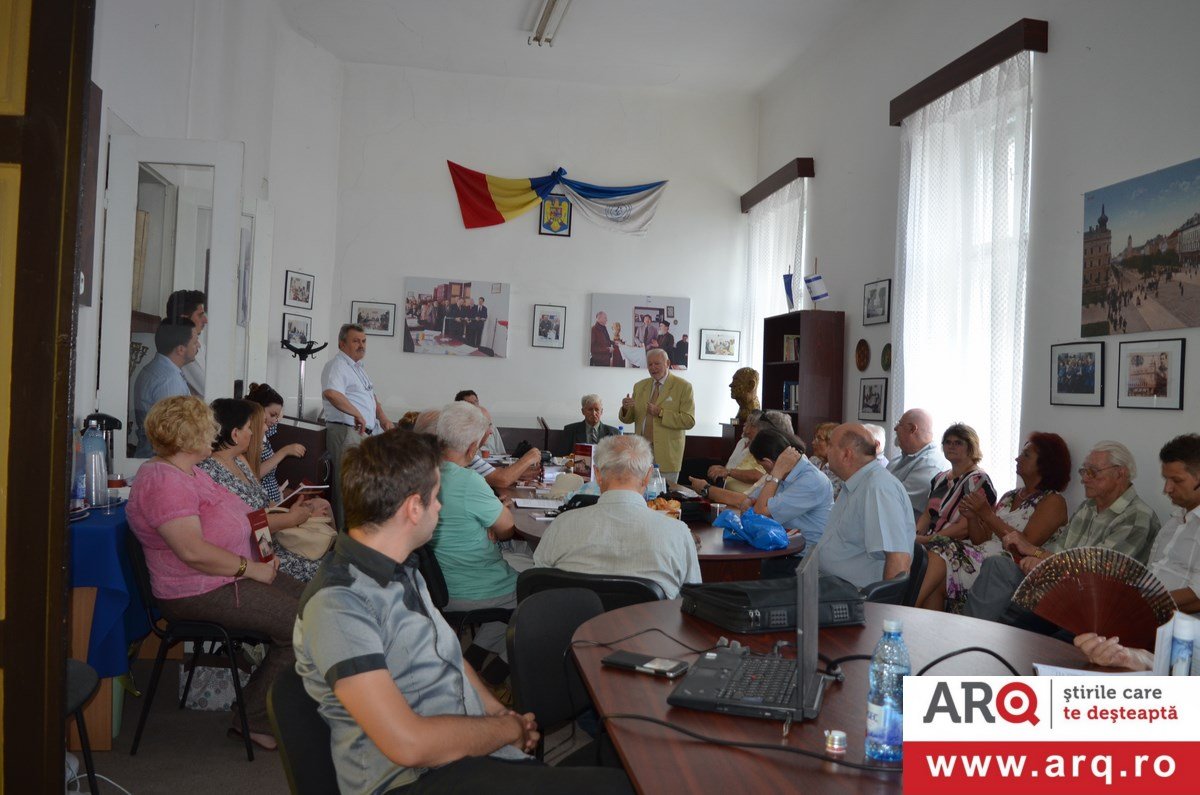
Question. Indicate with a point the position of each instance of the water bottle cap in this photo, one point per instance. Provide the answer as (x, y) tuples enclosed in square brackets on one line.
[(1185, 627), (892, 625), (656, 466)]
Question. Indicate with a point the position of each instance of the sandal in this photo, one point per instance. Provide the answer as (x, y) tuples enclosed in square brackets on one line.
[(267, 742)]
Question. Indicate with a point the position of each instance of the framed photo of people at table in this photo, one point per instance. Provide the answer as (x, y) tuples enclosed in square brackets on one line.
[(1151, 374), (549, 322), (297, 329), (298, 289), (1077, 374), (872, 399), (623, 328), (377, 319), (721, 345), (456, 317)]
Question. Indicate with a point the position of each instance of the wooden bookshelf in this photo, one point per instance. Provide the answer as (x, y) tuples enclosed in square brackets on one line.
[(816, 375)]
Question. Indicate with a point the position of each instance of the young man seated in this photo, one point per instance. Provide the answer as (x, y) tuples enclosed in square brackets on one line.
[(406, 713)]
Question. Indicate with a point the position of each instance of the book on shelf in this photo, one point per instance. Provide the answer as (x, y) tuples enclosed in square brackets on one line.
[(791, 395), (791, 347)]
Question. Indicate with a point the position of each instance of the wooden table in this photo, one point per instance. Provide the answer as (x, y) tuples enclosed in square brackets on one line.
[(720, 560), (660, 760)]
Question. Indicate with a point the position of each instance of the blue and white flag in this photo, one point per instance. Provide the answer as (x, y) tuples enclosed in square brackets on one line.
[(627, 209)]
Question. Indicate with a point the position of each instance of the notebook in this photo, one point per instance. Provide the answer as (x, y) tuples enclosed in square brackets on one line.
[(736, 682)]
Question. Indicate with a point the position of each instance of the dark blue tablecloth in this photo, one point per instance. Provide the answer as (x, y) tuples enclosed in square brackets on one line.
[(98, 560)]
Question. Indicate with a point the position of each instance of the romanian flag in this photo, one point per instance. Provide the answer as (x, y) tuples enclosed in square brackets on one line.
[(486, 200)]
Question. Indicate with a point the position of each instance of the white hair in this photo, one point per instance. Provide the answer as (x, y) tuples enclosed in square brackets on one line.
[(623, 457), (658, 352), (460, 426), (777, 420), (426, 421), (589, 400), (880, 435), (1118, 454)]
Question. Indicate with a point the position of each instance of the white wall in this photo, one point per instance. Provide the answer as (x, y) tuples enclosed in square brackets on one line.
[(1114, 98), (398, 216)]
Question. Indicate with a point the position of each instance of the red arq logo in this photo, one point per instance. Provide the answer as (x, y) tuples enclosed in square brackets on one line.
[(1016, 702)]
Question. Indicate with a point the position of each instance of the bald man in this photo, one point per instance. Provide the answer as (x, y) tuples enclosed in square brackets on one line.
[(920, 459), (869, 535)]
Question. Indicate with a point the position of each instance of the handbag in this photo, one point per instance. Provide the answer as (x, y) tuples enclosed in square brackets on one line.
[(752, 606), (310, 540)]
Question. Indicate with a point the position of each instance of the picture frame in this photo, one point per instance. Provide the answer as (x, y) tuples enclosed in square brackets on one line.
[(297, 329), (298, 289), (377, 319), (877, 302), (554, 220), (549, 325), (1151, 374), (1077, 374), (720, 345), (872, 399)]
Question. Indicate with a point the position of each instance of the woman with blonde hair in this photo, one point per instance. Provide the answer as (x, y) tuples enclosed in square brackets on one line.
[(196, 536)]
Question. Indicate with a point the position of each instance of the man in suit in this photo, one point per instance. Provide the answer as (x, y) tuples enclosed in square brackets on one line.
[(662, 409), (602, 348), (591, 430)]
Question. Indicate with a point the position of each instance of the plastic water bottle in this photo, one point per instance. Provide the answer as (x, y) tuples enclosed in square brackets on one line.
[(1182, 641), (620, 430), (78, 472), (95, 468), (657, 485), (885, 696)]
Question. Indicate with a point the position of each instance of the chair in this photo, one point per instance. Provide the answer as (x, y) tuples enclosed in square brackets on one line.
[(200, 633), (544, 681), (82, 682), (435, 581), (902, 590), (614, 590), (303, 736)]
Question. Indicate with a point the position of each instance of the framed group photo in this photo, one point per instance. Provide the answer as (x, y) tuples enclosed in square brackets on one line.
[(720, 345), (1151, 375), (298, 290), (549, 321), (297, 329), (377, 319), (1077, 374), (872, 399), (877, 302)]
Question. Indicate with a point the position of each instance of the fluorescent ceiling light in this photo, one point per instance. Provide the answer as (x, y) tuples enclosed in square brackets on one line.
[(545, 29)]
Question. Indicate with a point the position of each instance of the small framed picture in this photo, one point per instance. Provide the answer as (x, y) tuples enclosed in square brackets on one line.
[(877, 302), (1077, 374), (549, 322), (298, 290), (297, 329), (1151, 375), (670, 312), (376, 319), (872, 399), (720, 345), (555, 218)]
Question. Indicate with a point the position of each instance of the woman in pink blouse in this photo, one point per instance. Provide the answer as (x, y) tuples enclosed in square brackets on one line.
[(196, 536)]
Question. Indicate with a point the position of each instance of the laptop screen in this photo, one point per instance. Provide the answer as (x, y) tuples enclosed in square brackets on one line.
[(806, 628)]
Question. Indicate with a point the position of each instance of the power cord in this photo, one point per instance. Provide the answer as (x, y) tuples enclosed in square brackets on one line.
[(948, 655), (609, 643)]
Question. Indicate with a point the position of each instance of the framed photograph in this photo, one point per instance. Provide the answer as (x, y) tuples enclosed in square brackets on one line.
[(555, 219), (720, 345), (872, 399), (455, 318), (624, 328), (670, 313), (298, 290), (376, 319), (297, 329), (549, 322), (1077, 374), (877, 302), (1151, 375)]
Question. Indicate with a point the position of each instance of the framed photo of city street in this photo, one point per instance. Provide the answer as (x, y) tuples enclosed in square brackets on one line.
[(549, 322), (1151, 375), (1077, 374), (1141, 254), (872, 399)]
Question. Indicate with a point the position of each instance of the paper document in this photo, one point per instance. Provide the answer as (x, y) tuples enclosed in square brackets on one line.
[(1042, 669), (545, 505)]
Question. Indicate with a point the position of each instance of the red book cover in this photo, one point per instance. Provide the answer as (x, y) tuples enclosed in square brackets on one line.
[(260, 535)]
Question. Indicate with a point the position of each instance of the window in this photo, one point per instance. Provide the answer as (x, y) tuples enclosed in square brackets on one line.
[(776, 248)]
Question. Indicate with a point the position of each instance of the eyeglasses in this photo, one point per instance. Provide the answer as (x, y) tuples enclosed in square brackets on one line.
[(1089, 472)]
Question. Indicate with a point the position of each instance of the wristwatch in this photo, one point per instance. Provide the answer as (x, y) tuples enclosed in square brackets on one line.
[(771, 479), (704, 491)]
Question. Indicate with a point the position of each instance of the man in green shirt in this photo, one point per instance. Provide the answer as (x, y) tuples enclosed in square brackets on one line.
[(1112, 516)]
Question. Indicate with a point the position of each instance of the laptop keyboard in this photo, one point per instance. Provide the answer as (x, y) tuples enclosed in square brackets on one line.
[(762, 680)]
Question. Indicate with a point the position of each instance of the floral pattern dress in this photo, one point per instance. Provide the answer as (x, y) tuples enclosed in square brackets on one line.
[(269, 483), (963, 558), (251, 492)]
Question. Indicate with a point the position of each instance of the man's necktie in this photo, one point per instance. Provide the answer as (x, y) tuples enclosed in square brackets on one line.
[(648, 430)]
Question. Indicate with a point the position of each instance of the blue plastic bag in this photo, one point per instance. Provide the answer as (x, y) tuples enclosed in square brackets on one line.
[(761, 532)]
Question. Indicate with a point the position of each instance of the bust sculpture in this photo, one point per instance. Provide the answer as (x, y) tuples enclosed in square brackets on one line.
[(744, 389)]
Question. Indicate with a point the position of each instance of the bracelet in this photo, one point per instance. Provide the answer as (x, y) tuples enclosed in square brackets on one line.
[(241, 572)]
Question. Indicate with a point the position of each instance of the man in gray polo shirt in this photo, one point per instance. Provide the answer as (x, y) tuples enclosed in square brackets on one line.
[(919, 459), (406, 712), (870, 532)]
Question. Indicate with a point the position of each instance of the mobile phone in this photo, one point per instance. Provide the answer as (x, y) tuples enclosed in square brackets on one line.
[(645, 664)]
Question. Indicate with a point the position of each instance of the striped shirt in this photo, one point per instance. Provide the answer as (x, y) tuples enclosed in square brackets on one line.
[(1129, 525)]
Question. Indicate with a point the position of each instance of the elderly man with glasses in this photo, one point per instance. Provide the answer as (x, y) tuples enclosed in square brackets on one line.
[(1113, 516), (920, 458)]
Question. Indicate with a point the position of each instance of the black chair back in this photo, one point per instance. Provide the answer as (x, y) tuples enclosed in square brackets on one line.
[(902, 590), (141, 574), (303, 736), (614, 590), (916, 575), (435, 581)]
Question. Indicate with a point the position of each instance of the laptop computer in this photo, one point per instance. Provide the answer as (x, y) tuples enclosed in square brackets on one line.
[(737, 682)]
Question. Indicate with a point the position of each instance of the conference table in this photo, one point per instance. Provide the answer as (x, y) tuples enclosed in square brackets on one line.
[(660, 760), (720, 560)]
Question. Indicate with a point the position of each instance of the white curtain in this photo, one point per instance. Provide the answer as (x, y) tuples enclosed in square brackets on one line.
[(961, 246), (776, 248)]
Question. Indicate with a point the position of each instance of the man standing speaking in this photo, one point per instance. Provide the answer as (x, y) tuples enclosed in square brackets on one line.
[(661, 409)]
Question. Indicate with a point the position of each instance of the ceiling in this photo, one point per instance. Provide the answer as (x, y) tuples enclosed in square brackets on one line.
[(701, 45)]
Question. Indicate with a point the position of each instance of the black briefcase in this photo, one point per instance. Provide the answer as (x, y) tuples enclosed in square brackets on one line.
[(754, 606)]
